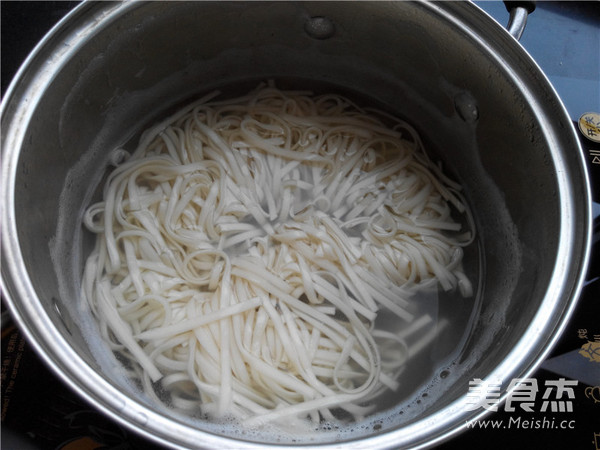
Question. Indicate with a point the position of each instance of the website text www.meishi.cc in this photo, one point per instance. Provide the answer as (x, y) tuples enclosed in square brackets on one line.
[(523, 423)]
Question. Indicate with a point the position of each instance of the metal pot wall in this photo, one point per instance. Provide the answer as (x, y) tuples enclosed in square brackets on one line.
[(480, 102)]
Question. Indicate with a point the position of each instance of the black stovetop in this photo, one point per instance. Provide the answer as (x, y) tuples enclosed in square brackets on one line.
[(39, 411)]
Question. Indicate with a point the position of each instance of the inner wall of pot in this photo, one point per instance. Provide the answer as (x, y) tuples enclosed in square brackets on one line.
[(397, 56)]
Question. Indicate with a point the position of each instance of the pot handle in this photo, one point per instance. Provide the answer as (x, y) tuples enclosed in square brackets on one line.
[(519, 10)]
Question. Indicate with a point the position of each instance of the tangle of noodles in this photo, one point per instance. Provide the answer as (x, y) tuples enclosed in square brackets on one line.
[(246, 247)]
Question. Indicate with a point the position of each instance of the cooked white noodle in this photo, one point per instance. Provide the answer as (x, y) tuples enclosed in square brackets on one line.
[(247, 246)]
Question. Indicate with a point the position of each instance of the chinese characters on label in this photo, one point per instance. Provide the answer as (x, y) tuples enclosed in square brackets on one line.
[(589, 125), (556, 395)]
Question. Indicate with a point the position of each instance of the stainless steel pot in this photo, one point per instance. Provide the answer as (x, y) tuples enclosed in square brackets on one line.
[(481, 103)]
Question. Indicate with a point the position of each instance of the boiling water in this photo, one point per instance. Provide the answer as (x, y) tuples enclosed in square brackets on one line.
[(434, 340)]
